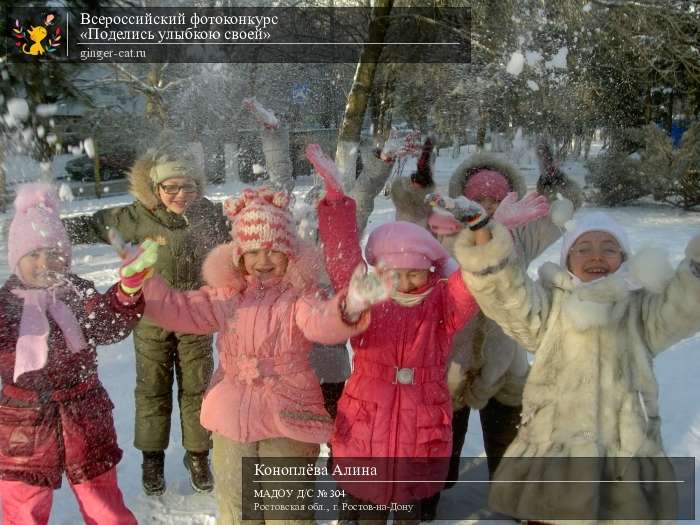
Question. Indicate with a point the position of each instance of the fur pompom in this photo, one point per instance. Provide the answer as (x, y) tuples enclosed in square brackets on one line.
[(651, 267), (234, 205), (561, 211), (36, 194)]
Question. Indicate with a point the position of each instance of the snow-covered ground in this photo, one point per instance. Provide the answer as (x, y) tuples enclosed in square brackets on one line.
[(677, 369)]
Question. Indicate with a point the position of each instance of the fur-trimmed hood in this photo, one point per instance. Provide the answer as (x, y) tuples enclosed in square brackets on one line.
[(141, 185), (485, 160), (304, 271)]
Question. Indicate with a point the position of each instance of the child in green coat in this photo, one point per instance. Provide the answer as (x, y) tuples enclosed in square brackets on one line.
[(168, 186)]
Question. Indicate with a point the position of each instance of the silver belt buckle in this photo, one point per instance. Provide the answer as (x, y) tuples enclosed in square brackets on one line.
[(404, 376)]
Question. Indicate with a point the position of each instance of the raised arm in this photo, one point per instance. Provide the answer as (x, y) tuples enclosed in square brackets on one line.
[(553, 180), (322, 321), (93, 229), (193, 312), (337, 222), (674, 313), (502, 288), (460, 305), (535, 237), (110, 316), (338, 231)]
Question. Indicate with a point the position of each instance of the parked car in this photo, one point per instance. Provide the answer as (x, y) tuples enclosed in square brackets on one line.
[(80, 175)]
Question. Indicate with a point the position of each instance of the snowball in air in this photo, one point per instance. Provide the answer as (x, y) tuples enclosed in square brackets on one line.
[(18, 108), (515, 64)]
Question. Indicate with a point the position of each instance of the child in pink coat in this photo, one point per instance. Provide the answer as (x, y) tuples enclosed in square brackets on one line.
[(396, 404), (263, 301), (55, 415)]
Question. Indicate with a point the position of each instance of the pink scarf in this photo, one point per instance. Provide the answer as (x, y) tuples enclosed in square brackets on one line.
[(32, 348)]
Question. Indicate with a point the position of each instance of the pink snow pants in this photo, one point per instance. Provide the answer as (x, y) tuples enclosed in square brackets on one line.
[(100, 500)]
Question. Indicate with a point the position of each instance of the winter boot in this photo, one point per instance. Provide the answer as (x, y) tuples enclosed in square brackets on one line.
[(153, 477), (197, 463)]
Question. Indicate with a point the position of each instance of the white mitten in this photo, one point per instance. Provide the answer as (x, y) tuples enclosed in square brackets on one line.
[(262, 115), (367, 289), (464, 210)]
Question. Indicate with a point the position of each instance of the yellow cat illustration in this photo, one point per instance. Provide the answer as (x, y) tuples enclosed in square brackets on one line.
[(36, 34)]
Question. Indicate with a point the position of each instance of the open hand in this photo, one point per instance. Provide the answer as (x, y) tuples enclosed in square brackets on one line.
[(512, 212), (367, 289), (327, 170)]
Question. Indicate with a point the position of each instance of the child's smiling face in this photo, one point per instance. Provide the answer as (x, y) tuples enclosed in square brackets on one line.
[(41, 268), (265, 264), (595, 254), (408, 279), (177, 193)]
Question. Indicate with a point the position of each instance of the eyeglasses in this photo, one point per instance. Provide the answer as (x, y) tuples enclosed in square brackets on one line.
[(174, 189), (589, 251)]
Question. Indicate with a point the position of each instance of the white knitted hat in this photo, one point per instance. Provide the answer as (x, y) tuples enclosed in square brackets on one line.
[(593, 222)]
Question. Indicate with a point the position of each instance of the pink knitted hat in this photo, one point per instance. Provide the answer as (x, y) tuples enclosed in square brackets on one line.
[(403, 244), (486, 183), (261, 220), (36, 224)]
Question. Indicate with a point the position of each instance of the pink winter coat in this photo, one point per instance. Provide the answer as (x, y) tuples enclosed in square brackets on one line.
[(264, 386), (378, 415)]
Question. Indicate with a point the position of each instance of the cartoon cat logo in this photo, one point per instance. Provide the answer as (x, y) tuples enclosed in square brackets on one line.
[(31, 41)]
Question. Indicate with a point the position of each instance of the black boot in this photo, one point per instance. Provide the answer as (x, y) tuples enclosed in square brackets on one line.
[(197, 463), (153, 476)]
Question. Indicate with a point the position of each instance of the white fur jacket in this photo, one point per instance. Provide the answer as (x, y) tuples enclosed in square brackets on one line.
[(591, 391)]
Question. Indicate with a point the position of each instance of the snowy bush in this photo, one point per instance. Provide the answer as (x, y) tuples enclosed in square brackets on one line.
[(674, 174), (652, 168), (616, 178)]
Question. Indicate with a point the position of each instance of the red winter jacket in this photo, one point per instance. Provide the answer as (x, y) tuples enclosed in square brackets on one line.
[(59, 418), (384, 412)]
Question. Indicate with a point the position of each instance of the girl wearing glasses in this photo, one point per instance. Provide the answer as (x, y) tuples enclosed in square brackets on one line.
[(595, 321), (170, 208)]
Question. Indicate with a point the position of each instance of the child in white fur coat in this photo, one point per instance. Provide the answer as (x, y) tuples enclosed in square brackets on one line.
[(595, 322)]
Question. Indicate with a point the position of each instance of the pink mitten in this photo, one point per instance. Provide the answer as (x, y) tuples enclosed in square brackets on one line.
[(327, 170), (512, 212), (263, 116)]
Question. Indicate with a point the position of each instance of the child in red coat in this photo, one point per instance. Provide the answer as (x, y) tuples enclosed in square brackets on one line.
[(55, 415), (396, 405)]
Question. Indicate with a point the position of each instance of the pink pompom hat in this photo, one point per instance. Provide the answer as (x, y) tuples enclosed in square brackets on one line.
[(36, 224)]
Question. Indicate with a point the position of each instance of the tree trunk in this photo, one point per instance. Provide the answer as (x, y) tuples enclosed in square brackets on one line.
[(275, 144), (668, 124), (481, 132), (214, 158), (155, 108), (98, 173), (3, 182), (455, 145), (371, 181), (351, 127)]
